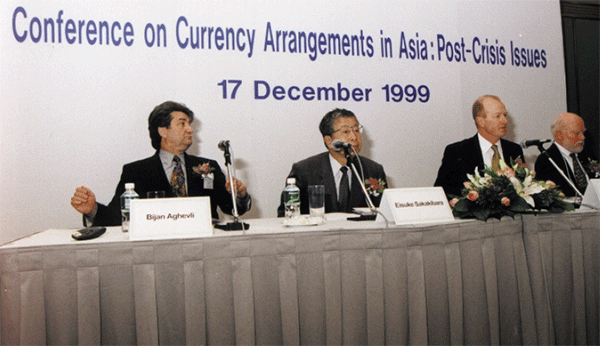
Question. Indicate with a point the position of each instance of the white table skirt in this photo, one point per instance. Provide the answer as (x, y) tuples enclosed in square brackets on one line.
[(343, 282)]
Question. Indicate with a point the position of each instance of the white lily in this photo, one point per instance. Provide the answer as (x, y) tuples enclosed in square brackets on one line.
[(476, 179), (527, 189), (502, 165), (517, 184)]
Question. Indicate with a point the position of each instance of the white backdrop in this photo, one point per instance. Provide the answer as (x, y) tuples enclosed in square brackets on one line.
[(73, 113)]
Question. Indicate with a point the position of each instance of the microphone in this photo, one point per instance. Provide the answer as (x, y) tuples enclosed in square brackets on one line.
[(224, 145), (532, 142), (236, 225), (340, 146)]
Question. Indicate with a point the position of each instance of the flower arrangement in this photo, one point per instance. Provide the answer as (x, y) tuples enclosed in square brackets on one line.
[(593, 167), (374, 186), (508, 191), (204, 169)]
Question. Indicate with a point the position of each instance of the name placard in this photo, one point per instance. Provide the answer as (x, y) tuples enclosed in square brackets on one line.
[(415, 205), (166, 218), (591, 197)]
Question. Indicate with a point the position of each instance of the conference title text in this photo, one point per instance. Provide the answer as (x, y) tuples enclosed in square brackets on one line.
[(187, 34)]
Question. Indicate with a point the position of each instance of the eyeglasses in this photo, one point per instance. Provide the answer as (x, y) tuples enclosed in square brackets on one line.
[(576, 133), (346, 130)]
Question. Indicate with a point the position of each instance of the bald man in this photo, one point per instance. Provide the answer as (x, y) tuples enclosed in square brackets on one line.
[(462, 158), (568, 132)]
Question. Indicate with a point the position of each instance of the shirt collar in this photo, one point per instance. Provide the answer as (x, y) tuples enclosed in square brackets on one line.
[(563, 150), (335, 165), (167, 158), (485, 144)]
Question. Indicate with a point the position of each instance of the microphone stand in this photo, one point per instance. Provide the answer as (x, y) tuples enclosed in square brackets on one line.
[(351, 164), (543, 151), (236, 225)]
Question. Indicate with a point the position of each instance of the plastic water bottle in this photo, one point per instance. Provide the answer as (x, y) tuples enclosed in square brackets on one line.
[(291, 199), (126, 198)]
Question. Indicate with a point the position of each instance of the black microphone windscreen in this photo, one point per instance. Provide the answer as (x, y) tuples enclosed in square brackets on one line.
[(337, 145), (529, 143), (223, 145)]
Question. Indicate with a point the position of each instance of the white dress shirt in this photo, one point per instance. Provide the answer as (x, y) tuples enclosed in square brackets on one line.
[(337, 174), (488, 152)]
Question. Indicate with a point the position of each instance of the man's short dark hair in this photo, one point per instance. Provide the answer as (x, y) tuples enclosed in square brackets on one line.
[(161, 117), (326, 125)]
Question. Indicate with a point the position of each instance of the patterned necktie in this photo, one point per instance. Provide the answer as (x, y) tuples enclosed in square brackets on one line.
[(344, 190), (580, 179), (495, 158), (178, 178)]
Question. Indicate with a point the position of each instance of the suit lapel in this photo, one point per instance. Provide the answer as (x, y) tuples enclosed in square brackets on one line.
[(156, 166), (555, 154), (356, 195), (509, 154), (557, 157), (326, 176), (476, 155), (194, 181)]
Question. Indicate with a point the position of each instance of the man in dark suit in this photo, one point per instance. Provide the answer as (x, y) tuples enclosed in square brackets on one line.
[(483, 149), (170, 169), (566, 152), (330, 168)]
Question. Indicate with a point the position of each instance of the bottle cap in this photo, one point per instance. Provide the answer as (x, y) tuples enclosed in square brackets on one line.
[(291, 181), (129, 186)]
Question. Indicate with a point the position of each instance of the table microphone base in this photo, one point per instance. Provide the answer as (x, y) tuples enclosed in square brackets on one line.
[(234, 226), (370, 217)]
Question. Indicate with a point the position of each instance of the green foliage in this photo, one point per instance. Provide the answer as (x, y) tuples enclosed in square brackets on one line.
[(507, 192)]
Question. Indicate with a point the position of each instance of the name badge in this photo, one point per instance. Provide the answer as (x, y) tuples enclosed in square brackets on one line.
[(415, 205), (166, 218), (209, 181), (591, 196)]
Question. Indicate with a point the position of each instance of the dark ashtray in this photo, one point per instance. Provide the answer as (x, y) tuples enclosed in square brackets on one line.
[(88, 233)]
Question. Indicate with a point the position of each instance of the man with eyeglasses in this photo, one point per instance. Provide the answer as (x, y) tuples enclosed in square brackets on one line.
[(342, 188), (566, 151), (486, 148)]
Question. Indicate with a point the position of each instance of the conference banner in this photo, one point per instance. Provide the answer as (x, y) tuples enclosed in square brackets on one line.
[(79, 79)]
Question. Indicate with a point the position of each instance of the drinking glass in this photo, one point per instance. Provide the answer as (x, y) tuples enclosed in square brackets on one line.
[(155, 194), (316, 200)]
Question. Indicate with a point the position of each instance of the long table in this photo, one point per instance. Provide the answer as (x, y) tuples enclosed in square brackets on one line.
[(533, 279)]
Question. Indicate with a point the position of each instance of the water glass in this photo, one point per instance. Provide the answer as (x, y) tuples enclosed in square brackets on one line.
[(316, 200), (155, 194)]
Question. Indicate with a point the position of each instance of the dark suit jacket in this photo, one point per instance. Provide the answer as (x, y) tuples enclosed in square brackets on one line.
[(149, 175), (545, 170), (316, 170), (461, 158)]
